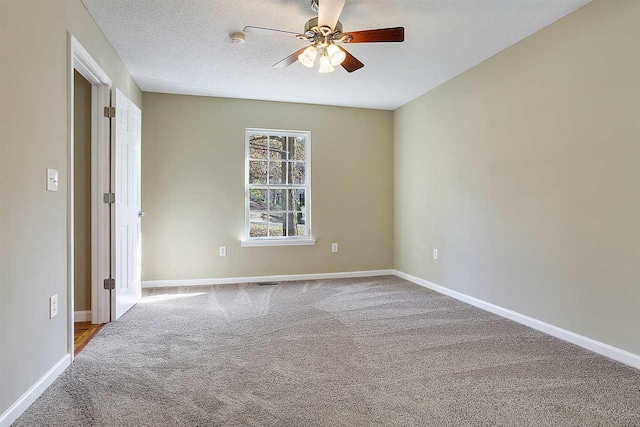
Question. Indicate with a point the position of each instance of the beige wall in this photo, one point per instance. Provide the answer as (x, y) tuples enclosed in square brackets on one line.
[(82, 192), (524, 172), (33, 223), (193, 187)]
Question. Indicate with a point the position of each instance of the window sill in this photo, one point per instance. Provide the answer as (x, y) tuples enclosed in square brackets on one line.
[(277, 242)]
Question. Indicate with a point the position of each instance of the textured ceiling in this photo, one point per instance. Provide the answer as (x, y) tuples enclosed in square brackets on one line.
[(182, 46)]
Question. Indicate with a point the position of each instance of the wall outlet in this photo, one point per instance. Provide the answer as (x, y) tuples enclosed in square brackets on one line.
[(53, 306), (435, 255), (223, 251), (334, 247)]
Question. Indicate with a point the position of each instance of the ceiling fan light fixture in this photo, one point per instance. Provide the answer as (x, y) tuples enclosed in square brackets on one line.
[(308, 57), (325, 64), (336, 55)]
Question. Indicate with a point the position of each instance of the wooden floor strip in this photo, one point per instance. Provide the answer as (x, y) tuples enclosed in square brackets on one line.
[(82, 334)]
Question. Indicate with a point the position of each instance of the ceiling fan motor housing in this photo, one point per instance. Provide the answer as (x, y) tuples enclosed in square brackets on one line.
[(313, 31)]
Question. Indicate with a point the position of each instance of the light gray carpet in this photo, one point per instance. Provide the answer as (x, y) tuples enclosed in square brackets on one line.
[(357, 352)]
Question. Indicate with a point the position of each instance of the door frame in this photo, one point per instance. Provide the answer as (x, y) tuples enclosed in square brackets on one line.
[(80, 60)]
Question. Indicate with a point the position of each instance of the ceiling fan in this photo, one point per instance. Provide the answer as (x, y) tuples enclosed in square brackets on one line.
[(324, 32)]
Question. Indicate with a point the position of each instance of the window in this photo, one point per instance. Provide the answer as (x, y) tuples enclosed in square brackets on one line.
[(278, 188)]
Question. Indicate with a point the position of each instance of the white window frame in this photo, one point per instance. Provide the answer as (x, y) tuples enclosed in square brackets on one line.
[(284, 240)]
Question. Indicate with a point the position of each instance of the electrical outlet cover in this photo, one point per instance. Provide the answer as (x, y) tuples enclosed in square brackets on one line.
[(53, 306)]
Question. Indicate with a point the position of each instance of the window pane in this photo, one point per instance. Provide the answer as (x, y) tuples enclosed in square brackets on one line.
[(277, 200), (296, 200), (295, 224), (290, 147), (258, 146), (299, 151), (277, 225), (277, 148), (301, 224), (257, 200), (257, 172), (277, 173), (290, 218), (297, 173), (258, 223)]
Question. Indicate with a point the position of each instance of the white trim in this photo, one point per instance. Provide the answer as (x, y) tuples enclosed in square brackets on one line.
[(30, 396), (254, 279), (601, 348), (81, 60), (100, 212), (283, 132), (277, 242), (86, 65), (82, 316)]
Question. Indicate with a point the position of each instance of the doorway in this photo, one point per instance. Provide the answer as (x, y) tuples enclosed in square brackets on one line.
[(84, 330), (103, 198), (89, 151)]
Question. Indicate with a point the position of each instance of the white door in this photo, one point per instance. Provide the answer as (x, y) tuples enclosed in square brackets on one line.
[(125, 155)]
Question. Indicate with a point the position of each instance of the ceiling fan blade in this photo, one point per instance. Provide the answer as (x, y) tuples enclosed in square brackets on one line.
[(270, 32), (382, 35), (289, 59), (329, 12), (351, 64)]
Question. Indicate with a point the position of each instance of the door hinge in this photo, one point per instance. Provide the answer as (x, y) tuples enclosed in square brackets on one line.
[(109, 284), (109, 198), (110, 112)]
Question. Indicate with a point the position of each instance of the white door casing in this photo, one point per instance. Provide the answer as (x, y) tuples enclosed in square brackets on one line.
[(80, 60), (101, 212), (126, 232)]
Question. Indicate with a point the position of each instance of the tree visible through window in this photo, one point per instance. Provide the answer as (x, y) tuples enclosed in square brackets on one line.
[(278, 190)]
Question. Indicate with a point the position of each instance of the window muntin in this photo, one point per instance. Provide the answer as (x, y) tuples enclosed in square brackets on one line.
[(278, 186)]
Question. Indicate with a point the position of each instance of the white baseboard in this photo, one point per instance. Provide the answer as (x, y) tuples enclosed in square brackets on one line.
[(606, 350), (21, 405), (82, 316), (254, 279)]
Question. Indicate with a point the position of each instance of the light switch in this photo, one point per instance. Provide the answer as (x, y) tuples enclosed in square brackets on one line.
[(52, 180)]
